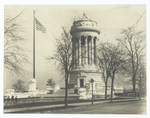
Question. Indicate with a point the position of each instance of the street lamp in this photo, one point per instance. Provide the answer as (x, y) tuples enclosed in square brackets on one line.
[(92, 81)]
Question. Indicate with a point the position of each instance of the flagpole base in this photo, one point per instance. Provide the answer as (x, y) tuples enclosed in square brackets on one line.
[(32, 87)]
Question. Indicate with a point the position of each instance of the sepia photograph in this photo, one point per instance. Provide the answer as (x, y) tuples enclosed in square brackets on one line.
[(75, 59)]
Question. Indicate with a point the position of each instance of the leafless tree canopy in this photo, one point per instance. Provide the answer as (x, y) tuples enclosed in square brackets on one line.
[(111, 60), (63, 55), (14, 53), (104, 63), (134, 43)]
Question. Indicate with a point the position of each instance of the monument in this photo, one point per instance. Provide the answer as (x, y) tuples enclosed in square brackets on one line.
[(84, 39)]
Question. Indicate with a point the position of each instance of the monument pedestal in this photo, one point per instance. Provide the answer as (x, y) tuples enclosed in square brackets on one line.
[(32, 87)]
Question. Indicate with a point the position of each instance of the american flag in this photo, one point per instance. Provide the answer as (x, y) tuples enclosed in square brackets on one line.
[(39, 26)]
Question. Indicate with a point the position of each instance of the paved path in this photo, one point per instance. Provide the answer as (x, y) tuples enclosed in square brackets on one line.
[(58, 105), (126, 107)]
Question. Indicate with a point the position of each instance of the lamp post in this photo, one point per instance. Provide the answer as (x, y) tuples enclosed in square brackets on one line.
[(92, 81)]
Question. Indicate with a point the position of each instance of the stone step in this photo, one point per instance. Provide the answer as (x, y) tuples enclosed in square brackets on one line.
[(70, 86), (73, 80), (73, 83)]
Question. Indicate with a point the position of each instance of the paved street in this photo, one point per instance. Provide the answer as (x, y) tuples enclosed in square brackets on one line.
[(129, 107), (122, 106)]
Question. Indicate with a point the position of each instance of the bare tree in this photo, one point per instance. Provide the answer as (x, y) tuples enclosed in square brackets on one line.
[(133, 42), (14, 53), (103, 63), (118, 61), (111, 61), (63, 55)]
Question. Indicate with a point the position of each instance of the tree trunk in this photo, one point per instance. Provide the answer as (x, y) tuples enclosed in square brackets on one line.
[(134, 91), (140, 86), (112, 82), (106, 90), (133, 77), (140, 95), (66, 89)]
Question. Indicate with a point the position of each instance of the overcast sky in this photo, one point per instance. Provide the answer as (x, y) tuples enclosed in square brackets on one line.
[(110, 19)]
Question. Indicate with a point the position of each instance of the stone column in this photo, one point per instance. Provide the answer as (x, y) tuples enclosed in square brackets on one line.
[(88, 41), (72, 49), (75, 52), (77, 61), (95, 51), (80, 50), (86, 49), (92, 50)]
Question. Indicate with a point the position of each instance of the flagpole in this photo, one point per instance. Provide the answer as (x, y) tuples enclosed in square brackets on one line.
[(33, 44)]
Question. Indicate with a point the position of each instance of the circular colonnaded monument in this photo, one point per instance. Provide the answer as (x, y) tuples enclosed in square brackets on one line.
[(84, 39)]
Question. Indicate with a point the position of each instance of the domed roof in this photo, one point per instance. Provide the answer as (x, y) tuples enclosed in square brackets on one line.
[(84, 18), (84, 24)]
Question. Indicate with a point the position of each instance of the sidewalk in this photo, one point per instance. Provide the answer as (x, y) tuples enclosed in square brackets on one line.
[(23, 109)]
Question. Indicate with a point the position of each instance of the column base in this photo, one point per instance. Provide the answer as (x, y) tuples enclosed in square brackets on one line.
[(32, 87)]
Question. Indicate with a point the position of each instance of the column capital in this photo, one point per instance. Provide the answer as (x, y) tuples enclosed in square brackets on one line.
[(86, 36), (79, 37), (92, 37), (76, 36)]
